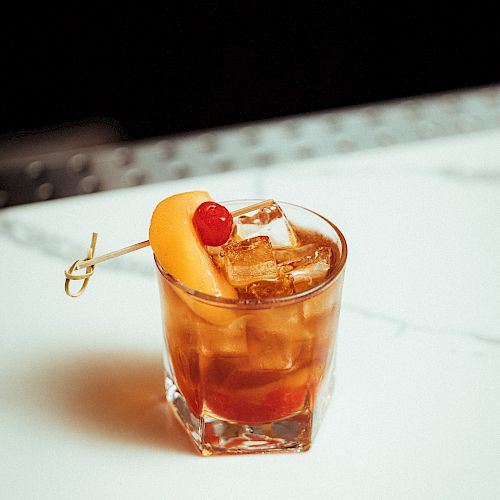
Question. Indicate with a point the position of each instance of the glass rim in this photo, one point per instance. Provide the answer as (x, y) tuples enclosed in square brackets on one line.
[(271, 301)]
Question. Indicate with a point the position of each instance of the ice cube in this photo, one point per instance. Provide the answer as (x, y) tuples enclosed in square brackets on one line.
[(287, 321), (248, 261), (310, 270), (269, 350), (223, 340), (279, 287), (288, 255), (270, 221), (216, 254), (325, 303)]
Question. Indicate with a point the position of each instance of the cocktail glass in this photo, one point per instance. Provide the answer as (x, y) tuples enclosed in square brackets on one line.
[(253, 376)]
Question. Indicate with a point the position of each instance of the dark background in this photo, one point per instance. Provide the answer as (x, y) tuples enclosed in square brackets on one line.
[(171, 69)]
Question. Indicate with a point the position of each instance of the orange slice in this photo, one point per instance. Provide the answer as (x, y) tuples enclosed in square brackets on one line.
[(179, 251)]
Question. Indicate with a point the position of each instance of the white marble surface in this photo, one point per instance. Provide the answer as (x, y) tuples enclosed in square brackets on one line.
[(417, 408)]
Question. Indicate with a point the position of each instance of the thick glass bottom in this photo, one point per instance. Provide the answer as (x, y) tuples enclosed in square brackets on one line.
[(215, 436)]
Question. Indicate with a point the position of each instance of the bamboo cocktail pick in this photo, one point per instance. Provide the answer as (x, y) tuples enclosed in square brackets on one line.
[(89, 262)]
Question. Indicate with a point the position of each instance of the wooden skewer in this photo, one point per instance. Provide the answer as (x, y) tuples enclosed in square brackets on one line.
[(111, 255), (136, 246), (251, 208)]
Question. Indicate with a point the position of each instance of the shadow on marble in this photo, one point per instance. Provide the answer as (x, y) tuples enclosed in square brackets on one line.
[(112, 395)]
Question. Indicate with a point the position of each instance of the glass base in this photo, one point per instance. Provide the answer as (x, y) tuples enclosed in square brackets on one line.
[(214, 436)]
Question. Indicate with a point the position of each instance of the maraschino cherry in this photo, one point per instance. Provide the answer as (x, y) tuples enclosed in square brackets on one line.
[(213, 222)]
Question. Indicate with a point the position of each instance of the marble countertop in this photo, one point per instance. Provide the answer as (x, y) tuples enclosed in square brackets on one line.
[(417, 406)]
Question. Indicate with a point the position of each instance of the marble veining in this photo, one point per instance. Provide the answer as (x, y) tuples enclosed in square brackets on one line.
[(58, 246), (402, 326)]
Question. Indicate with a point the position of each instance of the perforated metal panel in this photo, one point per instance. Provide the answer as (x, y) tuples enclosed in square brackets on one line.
[(259, 144)]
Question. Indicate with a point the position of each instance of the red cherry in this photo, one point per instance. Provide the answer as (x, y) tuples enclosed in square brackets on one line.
[(213, 222)]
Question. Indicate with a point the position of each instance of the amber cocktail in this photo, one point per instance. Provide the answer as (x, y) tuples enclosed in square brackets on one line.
[(255, 373)]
